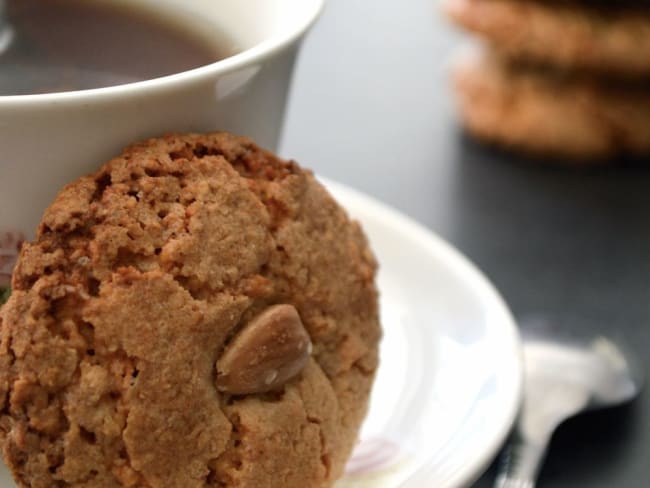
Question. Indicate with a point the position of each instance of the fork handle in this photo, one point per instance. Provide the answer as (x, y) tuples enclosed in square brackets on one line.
[(520, 464)]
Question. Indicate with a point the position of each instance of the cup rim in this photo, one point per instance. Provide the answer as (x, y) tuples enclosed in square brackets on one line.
[(259, 52)]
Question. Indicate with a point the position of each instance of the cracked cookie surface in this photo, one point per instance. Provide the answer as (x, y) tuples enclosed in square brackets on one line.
[(139, 278)]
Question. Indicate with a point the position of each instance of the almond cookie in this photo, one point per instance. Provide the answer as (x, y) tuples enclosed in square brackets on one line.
[(549, 113), (198, 313), (604, 37)]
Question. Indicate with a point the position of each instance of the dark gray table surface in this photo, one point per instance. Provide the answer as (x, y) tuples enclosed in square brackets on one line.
[(371, 107)]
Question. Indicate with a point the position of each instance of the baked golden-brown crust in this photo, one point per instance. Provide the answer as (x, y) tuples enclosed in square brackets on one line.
[(551, 113), (138, 278), (614, 39)]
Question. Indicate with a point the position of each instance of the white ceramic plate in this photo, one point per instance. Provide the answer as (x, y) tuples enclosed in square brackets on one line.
[(449, 384)]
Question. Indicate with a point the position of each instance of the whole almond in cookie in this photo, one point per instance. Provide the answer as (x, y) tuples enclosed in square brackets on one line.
[(270, 350)]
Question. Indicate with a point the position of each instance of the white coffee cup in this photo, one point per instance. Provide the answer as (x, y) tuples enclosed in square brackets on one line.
[(48, 140)]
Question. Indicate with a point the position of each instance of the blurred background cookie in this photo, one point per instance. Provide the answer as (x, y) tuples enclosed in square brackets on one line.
[(551, 113), (599, 36), (565, 79)]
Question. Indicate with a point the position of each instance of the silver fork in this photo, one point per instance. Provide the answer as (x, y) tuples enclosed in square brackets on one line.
[(562, 377)]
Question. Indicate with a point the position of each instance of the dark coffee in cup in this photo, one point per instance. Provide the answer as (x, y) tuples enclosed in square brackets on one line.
[(63, 45)]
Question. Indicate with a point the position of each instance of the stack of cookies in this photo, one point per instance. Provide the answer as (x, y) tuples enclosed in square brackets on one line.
[(562, 78)]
